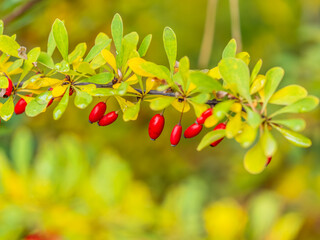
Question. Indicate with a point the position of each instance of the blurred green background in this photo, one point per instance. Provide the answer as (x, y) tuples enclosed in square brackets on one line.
[(90, 182)]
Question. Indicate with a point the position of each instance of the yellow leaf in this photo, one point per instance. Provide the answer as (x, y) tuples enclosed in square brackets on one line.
[(244, 56), (192, 87), (214, 73), (87, 88), (236, 107), (258, 84), (134, 64), (132, 80), (151, 84), (211, 121), (108, 56), (59, 90), (26, 98), (233, 126), (181, 106)]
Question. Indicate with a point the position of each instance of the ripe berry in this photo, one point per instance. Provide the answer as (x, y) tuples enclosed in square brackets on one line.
[(108, 118), (20, 107), (204, 116), (71, 91), (50, 102), (175, 135), (218, 127), (156, 126), (8, 89), (268, 160), (97, 112), (192, 130)]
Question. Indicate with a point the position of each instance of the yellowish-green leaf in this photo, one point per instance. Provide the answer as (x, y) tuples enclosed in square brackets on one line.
[(61, 38), (181, 106), (204, 82), (256, 70), (117, 31), (198, 108), (210, 138), (100, 78), (244, 56), (170, 46), (296, 139), (214, 73), (132, 112), (258, 84), (7, 109), (85, 68), (255, 160), (246, 136), (160, 103), (296, 124), (82, 99), (211, 121), (108, 56), (61, 107), (253, 118), (306, 104), (288, 95), (269, 144), (274, 77), (102, 41), (78, 52), (135, 65), (4, 83), (230, 50), (233, 126), (9, 46), (145, 45), (222, 108), (235, 73)]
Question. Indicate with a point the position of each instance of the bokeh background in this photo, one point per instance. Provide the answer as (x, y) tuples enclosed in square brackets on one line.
[(89, 182)]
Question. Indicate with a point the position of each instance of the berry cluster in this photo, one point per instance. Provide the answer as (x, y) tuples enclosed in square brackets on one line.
[(97, 114), (156, 126)]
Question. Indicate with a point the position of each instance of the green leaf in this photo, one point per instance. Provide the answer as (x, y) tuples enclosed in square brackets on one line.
[(170, 46), (9, 46), (122, 89), (102, 41), (306, 104), (22, 150), (236, 74), (288, 95), (15, 65), (38, 104), (274, 77), (82, 99), (294, 124), (4, 83), (230, 50), (268, 143), (129, 44), (184, 67), (32, 57), (51, 43), (222, 108), (145, 45), (256, 70), (253, 118), (156, 70), (85, 68), (100, 78), (46, 60), (204, 82), (132, 112), (201, 98), (61, 107), (61, 38), (210, 138), (79, 51), (7, 109), (295, 138), (160, 103), (117, 31), (255, 160)]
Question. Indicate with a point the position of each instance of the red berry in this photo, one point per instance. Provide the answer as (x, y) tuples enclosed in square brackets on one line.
[(156, 126), (193, 130), (218, 127), (97, 112), (8, 89), (268, 160), (204, 116), (108, 118), (71, 91), (20, 107), (175, 135), (50, 102)]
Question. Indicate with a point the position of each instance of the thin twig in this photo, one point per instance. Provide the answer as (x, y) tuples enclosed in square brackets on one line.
[(235, 22), (208, 34), (9, 18)]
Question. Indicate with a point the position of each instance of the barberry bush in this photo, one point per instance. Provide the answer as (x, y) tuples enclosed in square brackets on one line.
[(240, 103)]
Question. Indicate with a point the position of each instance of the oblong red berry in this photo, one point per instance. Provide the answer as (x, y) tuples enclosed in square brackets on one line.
[(218, 127), (20, 106), (192, 130), (108, 118), (9, 88), (268, 160), (175, 135), (204, 116), (50, 102), (97, 112), (156, 125)]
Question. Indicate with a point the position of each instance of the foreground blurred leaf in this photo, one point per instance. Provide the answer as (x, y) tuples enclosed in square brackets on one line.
[(7, 109), (222, 108), (233, 126), (296, 124)]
